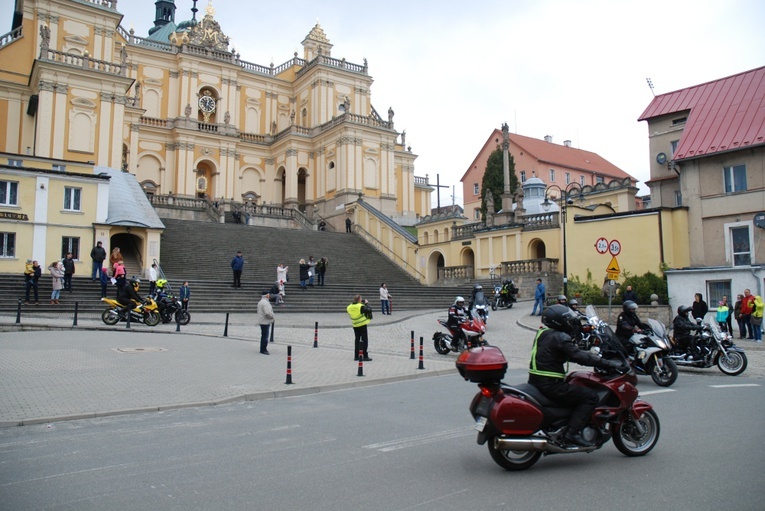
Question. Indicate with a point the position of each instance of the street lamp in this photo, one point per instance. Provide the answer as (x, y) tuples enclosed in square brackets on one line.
[(565, 200)]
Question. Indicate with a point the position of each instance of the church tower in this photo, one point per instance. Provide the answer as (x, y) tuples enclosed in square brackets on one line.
[(316, 43), (164, 14)]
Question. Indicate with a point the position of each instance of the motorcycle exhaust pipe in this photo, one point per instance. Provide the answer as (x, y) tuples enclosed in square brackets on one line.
[(534, 444)]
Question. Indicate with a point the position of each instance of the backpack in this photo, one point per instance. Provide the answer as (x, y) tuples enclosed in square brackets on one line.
[(367, 311)]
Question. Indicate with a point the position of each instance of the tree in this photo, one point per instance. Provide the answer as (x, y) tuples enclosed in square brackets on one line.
[(494, 181)]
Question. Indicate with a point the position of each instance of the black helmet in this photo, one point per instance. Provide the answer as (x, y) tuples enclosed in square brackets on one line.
[(561, 318), (684, 309), (629, 306), (573, 303), (562, 299)]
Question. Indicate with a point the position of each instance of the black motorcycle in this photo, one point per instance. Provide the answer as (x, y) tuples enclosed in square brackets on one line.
[(504, 300), (712, 347), (171, 309)]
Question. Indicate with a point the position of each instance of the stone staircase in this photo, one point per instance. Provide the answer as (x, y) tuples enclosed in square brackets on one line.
[(201, 253)]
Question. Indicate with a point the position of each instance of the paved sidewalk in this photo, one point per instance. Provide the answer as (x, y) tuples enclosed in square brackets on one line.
[(51, 370)]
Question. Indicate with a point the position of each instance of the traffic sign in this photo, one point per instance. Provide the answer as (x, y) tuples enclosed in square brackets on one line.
[(613, 270), (601, 245), (614, 247)]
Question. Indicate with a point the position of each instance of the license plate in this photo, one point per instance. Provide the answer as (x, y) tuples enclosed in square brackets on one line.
[(480, 423)]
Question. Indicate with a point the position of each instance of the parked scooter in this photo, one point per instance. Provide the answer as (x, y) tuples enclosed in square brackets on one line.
[(713, 347), (505, 295), (146, 312), (467, 334), (520, 424)]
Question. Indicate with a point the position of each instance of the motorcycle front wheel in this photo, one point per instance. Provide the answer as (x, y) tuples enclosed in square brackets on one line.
[(151, 318), (664, 374), (440, 342), (631, 441), (513, 460), (110, 317), (732, 364), (182, 317), (494, 305)]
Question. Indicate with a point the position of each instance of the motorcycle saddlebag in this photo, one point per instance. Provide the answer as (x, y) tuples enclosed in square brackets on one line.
[(485, 364)]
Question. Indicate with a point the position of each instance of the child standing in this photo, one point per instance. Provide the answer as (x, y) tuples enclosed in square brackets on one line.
[(722, 316), (104, 281)]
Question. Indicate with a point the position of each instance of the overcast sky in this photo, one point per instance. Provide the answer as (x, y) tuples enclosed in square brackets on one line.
[(455, 70)]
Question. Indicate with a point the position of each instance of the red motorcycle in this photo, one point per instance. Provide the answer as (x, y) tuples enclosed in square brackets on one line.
[(466, 335), (520, 424)]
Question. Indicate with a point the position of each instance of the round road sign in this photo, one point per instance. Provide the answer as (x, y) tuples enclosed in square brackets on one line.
[(614, 247), (601, 245)]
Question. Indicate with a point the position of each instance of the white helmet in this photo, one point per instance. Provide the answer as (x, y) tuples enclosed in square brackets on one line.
[(459, 299)]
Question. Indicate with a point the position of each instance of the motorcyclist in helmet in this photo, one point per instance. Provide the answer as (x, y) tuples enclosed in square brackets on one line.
[(457, 314), (554, 347), (574, 306), (477, 297), (562, 300), (628, 323), (683, 328), (128, 295)]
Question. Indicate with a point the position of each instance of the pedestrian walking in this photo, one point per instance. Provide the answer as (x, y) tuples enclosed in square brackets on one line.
[(265, 320), (539, 298), (361, 314), (321, 269), (385, 297), (69, 270), (184, 293), (56, 270), (237, 265), (32, 282), (98, 255)]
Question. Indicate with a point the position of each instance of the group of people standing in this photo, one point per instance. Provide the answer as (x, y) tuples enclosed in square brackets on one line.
[(61, 275)]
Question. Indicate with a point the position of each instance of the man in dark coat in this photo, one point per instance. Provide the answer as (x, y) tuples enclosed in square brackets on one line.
[(68, 263), (98, 255)]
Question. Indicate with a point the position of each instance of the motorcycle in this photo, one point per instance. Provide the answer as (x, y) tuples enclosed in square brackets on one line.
[(467, 334), (520, 424), (650, 354), (171, 309), (714, 347), (479, 303), (504, 301), (146, 312)]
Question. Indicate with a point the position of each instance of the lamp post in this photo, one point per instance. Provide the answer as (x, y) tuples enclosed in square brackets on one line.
[(565, 200)]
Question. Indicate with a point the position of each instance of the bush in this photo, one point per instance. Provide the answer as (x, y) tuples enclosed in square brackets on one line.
[(646, 285), (586, 293)]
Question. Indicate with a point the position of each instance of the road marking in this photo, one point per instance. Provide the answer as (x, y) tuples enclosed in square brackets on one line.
[(652, 392), (403, 443), (735, 385)]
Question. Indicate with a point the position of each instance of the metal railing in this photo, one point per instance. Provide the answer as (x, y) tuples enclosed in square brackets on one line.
[(377, 245)]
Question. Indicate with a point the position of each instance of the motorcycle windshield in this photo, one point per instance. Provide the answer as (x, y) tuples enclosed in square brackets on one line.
[(657, 327), (479, 299)]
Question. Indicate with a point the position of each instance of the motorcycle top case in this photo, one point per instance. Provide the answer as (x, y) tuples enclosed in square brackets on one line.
[(485, 364)]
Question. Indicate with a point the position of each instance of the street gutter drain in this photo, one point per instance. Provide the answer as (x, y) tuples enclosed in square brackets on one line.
[(134, 351)]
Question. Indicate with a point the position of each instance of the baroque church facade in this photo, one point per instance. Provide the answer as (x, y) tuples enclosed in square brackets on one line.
[(188, 117)]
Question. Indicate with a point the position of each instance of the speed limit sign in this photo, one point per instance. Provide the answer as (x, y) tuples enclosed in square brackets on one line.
[(614, 247)]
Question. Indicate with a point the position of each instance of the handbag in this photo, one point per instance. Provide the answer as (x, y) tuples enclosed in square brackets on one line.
[(756, 320)]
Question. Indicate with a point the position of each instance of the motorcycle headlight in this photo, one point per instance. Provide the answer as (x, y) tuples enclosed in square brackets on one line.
[(661, 343)]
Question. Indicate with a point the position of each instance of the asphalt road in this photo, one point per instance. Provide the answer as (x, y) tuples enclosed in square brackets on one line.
[(400, 446)]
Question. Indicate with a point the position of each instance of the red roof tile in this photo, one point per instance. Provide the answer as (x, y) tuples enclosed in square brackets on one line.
[(725, 114), (557, 155)]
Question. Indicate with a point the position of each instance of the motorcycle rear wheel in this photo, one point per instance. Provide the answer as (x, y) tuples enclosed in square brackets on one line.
[(666, 375), (732, 365), (183, 317), (513, 460), (631, 442), (151, 318), (110, 317)]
